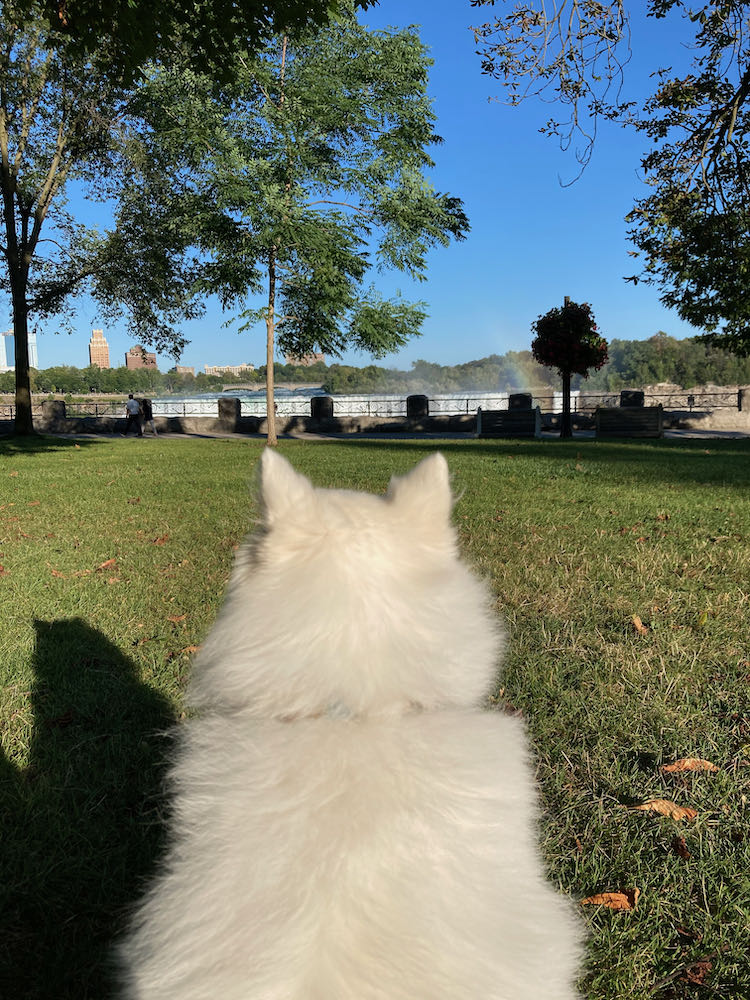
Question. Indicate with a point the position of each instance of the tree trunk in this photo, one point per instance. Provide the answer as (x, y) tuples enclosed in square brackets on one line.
[(23, 420), (17, 260), (566, 426), (271, 438)]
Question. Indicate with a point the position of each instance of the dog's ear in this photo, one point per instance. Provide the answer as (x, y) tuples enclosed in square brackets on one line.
[(425, 490), (282, 490)]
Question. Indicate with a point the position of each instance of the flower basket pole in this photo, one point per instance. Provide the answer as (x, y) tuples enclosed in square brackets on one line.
[(566, 423)]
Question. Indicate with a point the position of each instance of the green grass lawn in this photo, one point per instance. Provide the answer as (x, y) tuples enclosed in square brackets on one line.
[(622, 571)]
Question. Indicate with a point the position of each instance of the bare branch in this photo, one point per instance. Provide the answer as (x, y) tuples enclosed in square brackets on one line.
[(573, 54)]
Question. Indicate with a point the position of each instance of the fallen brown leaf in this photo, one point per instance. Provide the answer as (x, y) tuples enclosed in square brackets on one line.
[(56, 572), (626, 900), (12, 474), (113, 579), (161, 540), (176, 618), (3, 570), (697, 973), (688, 764), (680, 848), (640, 628), (190, 649), (33, 503), (106, 565), (666, 808), (134, 500)]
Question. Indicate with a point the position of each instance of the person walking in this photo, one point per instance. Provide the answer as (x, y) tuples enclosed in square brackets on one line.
[(133, 415)]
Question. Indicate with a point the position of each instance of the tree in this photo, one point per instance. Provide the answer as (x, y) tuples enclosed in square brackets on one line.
[(61, 122), (692, 229), (53, 118), (567, 339), (308, 165)]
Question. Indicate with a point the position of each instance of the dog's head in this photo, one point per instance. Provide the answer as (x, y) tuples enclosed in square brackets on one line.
[(351, 599)]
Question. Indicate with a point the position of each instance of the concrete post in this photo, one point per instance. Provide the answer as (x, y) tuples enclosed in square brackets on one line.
[(53, 414), (229, 413), (417, 407), (321, 408)]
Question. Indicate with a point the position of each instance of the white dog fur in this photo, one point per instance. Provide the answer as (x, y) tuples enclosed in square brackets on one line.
[(348, 823)]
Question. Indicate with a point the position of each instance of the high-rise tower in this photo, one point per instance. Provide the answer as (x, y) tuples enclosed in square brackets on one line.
[(98, 350)]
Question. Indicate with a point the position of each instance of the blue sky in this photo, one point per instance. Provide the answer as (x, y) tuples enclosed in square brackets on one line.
[(532, 240)]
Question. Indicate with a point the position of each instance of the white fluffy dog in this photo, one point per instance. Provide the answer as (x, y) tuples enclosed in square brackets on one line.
[(348, 823)]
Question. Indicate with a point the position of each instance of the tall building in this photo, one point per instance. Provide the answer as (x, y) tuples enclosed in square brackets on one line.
[(139, 357), (98, 350), (8, 351)]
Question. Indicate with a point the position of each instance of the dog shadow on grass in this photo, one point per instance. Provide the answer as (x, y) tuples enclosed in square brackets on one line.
[(81, 825)]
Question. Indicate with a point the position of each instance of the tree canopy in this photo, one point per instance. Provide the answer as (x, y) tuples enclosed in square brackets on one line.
[(691, 230), (205, 32)]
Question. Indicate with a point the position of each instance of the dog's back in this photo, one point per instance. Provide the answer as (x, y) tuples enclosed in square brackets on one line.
[(348, 825)]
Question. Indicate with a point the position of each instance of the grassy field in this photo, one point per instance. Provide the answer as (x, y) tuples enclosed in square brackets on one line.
[(622, 571)]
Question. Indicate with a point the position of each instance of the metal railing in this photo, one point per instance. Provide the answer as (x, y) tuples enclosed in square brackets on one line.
[(392, 405), (96, 408), (681, 399), (8, 411), (185, 407), (378, 405)]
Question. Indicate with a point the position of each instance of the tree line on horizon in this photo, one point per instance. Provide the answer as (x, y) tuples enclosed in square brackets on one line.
[(632, 363)]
